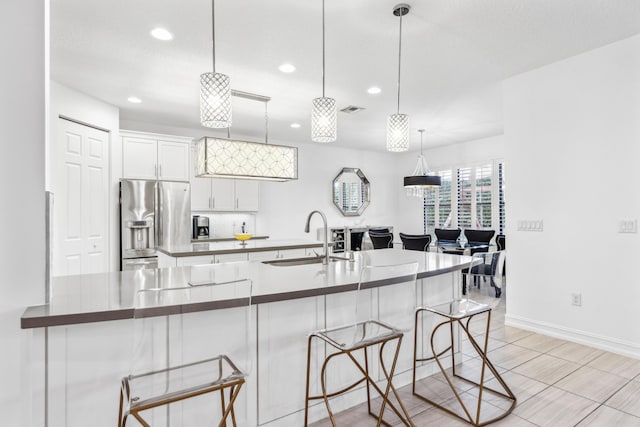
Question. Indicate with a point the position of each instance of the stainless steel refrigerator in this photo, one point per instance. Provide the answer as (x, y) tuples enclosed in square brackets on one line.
[(153, 214)]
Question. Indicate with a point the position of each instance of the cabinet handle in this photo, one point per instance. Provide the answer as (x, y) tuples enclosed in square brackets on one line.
[(155, 170), (160, 171), (236, 203)]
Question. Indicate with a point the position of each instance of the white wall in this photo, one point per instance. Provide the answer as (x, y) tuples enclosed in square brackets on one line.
[(409, 213), (77, 106), (22, 183), (573, 134)]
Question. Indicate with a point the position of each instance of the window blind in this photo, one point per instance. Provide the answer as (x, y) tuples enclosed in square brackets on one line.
[(464, 197), (501, 203), (483, 196)]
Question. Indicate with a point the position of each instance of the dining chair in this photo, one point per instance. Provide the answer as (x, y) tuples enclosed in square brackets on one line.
[(415, 242), (177, 355), (501, 242), (381, 240), (492, 268), (447, 235)]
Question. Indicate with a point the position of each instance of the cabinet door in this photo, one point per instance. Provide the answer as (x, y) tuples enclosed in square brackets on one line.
[(139, 158), (194, 260), (223, 194), (247, 195), (173, 161), (201, 194)]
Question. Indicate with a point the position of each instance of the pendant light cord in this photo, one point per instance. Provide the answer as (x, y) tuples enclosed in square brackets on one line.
[(323, 48), (421, 132), (213, 33), (399, 60)]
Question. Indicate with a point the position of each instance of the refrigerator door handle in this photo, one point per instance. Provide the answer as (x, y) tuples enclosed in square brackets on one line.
[(157, 216)]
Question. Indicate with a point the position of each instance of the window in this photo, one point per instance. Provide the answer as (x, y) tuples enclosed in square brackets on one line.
[(465, 192), (501, 204), (483, 196), (437, 205), (479, 202)]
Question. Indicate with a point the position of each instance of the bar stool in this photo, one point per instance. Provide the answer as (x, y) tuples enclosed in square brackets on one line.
[(181, 318), (395, 317), (460, 312)]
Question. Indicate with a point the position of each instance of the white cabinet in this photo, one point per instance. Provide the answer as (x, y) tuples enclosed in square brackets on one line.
[(224, 195), (247, 195), (149, 157)]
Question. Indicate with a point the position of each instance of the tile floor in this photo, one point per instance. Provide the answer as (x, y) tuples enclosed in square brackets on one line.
[(557, 383)]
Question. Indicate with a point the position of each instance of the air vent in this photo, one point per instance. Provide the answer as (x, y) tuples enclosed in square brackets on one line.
[(352, 109)]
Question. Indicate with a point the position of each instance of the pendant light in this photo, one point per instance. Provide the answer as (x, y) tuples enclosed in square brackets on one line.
[(215, 90), (398, 124), (421, 181), (324, 114)]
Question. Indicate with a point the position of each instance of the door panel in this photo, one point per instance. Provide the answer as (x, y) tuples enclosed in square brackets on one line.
[(81, 190)]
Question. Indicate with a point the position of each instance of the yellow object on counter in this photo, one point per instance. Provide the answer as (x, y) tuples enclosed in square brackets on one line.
[(242, 236)]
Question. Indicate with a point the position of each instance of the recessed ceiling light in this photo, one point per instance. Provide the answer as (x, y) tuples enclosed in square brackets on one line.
[(295, 125), (134, 100), (374, 90), (287, 68), (161, 34)]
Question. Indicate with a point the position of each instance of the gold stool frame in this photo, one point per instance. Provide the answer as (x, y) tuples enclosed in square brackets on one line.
[(382, 341), (482, 352), (234, 383)]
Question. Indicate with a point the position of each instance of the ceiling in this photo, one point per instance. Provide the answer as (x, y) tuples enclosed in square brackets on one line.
[(455, 54)]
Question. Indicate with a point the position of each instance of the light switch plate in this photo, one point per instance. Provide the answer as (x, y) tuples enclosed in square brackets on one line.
[(628, 226), (530, 225)]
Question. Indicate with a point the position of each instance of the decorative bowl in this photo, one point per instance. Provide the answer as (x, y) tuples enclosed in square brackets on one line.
[(242, 236)]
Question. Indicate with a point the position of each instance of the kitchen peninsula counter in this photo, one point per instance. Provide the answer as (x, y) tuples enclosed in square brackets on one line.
[(109, 296), (87, 330)]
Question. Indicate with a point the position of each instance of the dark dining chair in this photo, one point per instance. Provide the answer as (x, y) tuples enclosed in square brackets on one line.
[(501, 242), (492, 267), (381, 240), (415, 242), (447, 235), (479, 237)]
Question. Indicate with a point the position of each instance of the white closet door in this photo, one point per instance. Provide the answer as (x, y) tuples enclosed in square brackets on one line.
[(80, 183)]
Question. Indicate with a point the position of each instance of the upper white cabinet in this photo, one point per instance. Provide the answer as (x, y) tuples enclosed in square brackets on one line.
[(224, 195), (150, 157)]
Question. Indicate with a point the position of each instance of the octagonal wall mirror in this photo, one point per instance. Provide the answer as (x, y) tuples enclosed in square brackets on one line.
[(351, 191)]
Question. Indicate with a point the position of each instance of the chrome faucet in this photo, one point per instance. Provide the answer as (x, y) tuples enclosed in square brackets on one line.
[(325, 245)]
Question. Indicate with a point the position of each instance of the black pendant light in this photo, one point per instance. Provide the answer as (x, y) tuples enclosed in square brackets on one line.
[(422, 179)]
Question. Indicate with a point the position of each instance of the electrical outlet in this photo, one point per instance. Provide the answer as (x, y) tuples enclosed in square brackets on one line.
[(576, 299)]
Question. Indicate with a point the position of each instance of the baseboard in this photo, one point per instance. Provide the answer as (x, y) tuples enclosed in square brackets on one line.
[(613, 345)]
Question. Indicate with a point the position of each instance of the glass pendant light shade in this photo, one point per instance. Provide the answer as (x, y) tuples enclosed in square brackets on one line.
[(324, 113), (398, 132), (324, 118), (215, 100), (398, 124)]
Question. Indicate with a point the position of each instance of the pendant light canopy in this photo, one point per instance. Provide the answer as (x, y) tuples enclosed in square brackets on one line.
[(422, 179), (324, 113), (215, 91), (398, 124)]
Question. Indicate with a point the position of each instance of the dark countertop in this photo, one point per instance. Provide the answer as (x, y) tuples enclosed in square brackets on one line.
[(224, 239), (109, 296), (232, 247)]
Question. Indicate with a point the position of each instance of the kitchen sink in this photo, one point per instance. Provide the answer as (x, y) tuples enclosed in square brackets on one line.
[(288, 262)]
